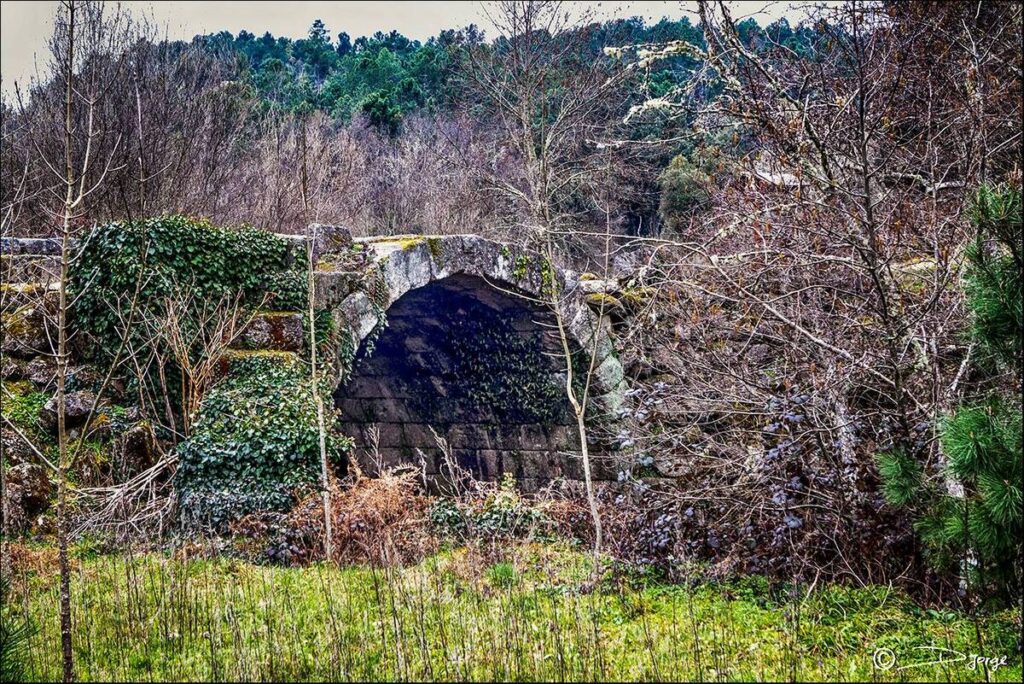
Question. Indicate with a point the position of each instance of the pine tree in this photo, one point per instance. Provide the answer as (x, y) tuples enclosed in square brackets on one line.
[(15, 633), (981, 440)]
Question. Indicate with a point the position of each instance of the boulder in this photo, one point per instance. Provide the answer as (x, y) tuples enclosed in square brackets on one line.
[(591, 284), (41, 371), (15, 449), (77, 406), (135, 451), (24, 332), (33, 486), (12, 369), (329, 239)]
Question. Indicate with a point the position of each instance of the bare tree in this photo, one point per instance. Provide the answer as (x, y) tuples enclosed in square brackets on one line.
[(553, 103), (196, 334), (813, 312), (84, 51)]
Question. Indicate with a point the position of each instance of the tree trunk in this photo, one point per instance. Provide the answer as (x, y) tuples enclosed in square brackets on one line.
[(62, 361)]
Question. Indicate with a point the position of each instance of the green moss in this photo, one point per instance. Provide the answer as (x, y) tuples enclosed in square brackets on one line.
[(18, 388), (638, 297), (603, 301), (403, 242), (275, 314), (22, 288), (16, 323), (435, 245)]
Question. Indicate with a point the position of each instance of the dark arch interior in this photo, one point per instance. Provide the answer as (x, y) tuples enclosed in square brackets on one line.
[(479, 366)]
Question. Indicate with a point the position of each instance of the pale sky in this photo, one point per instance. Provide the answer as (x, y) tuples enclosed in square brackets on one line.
[(25, 26)]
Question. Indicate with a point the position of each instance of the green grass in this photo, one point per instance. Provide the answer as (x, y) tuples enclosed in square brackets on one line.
[(452, 617)]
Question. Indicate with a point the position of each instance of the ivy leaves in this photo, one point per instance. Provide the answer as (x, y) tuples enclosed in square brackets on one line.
[(255, 443), (160, 255)]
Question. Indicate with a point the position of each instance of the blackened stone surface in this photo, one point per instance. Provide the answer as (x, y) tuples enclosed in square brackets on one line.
[(480, 367)]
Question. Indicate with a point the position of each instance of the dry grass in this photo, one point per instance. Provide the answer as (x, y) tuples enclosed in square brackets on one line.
[(380, 521)]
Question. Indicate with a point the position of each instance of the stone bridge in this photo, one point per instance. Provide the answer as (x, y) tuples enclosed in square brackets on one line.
[(443, 344), (454, 337)]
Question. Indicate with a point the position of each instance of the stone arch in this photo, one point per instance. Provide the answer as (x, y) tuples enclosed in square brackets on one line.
[(409, 313)]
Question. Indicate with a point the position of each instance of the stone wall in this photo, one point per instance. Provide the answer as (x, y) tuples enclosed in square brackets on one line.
[(468, 349)]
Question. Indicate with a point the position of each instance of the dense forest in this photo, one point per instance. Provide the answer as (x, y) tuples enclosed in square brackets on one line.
[(773, 359), (404, 115)]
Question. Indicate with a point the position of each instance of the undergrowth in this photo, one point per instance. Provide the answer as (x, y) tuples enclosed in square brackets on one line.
[(457, 615)]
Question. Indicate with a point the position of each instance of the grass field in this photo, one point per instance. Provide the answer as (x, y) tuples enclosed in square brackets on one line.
[(454, 617)]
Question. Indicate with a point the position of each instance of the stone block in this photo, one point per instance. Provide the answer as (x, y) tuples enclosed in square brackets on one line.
[(490, 464), (366, 387), (562, 437), (469, 436), (279, 331), (609, 374), (332, 287), (328, 239), (32, 246), (603, 467), (77, 406), (390, 435), (358, 314), (419, 435), (30, 481), (356, 410), (511, 462), (24, 332)]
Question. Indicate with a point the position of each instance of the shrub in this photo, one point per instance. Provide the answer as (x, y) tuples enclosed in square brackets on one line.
[(982, 441), (382, 521), (255, 443), (489, 512)]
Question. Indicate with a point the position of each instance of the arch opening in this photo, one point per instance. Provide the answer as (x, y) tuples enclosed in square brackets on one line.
[(482, 368)]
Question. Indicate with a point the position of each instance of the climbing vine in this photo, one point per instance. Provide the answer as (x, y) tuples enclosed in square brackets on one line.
[(255, 443), (376, 288), (175, 253)]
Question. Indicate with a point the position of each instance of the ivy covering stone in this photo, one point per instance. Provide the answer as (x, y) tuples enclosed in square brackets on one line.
[(177, 253), (255, 445)]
